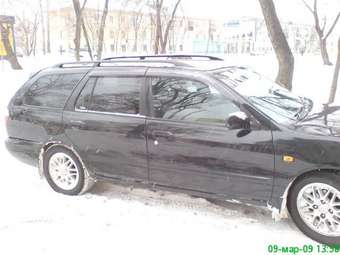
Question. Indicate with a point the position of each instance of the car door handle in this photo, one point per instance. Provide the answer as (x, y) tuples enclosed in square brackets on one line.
[(163, 134), (21, 111), (77, 124)]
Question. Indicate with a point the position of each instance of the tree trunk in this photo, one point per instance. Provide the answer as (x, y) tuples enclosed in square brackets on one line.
[(164, 39), (283, 53), (158, 26), (11, 57), (135, 45), (335, 77), (42, 20), (209, 37), (79, 20), (48, 27), (77, 39), (324, 52), (101, 31), (89, 50)]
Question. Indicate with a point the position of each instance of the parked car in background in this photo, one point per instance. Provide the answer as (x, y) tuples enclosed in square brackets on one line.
[(187, 123)]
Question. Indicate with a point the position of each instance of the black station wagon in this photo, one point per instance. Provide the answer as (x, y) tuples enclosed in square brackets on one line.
[(186, 123)]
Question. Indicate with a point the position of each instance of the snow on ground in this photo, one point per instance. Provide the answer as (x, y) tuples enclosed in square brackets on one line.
[(121, 220)]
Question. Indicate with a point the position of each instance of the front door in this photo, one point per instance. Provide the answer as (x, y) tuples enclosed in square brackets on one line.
[(191, 147), (107, 128)]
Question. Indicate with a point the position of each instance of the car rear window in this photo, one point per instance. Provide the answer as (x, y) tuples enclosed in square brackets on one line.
[(51, 90)]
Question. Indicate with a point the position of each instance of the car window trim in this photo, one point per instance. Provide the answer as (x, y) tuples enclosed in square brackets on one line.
[(112, 113)]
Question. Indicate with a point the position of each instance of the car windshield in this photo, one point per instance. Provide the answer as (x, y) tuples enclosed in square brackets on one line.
[(275, 101)]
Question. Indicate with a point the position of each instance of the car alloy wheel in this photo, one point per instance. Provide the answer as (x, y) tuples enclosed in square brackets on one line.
[(63, 171), (319, 207)]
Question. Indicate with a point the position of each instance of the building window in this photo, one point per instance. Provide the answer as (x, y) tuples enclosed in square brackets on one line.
[(190, 26)]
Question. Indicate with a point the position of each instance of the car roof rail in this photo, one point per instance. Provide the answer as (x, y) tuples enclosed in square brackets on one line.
[(167, 57), (147, 60), (122, 63), (146, 63), (78, 64)]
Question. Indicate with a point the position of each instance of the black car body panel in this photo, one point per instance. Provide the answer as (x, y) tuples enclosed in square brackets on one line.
[(240, 164)]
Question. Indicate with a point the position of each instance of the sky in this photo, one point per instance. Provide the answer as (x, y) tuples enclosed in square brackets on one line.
[(287, 10)]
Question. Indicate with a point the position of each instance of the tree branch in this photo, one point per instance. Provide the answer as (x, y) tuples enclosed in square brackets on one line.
[(82, 8), (333, 26), (324, 24), (308, 7)]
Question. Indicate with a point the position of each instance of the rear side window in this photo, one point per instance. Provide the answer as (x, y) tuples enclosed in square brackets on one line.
[(51, 90), (116, 95)]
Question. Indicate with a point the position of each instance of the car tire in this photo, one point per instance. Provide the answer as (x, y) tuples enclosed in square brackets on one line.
[(64, 172), (311, 204)]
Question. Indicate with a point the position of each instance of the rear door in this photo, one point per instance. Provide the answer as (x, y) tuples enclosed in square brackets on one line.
[(106, 123), (190, 147)]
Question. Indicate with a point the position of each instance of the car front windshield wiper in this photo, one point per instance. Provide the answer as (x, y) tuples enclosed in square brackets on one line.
[(306, 108)]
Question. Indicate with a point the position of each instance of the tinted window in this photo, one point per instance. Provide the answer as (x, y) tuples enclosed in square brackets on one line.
[(51, 90), (84, 98), (117, 95), (274, 100), (181, 99)]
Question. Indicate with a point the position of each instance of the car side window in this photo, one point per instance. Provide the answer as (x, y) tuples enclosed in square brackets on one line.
[(117, 95), (51, 90), (188, 100)]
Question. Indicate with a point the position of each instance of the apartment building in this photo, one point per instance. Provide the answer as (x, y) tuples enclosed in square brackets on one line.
[(129, 32)]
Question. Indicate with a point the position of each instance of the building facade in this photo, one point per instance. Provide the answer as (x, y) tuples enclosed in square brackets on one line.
[(129, 32)]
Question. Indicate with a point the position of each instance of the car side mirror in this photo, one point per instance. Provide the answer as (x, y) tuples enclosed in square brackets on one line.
[(238, 120)]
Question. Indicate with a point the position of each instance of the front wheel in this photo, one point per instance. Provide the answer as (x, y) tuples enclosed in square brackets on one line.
[(64, 172), (314, 204)]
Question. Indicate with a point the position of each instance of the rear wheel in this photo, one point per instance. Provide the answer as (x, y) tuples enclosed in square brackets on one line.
[(314, 204), (64, 172)]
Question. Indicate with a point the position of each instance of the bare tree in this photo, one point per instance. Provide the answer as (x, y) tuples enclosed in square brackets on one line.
[(78, 10), (137, 19), (164, 23), (335, 77), (101, 30), (210, 35), (87, 40), (48, 41), (279, 41), (42, 22), (27, 32), (11, 57), (321, 29)]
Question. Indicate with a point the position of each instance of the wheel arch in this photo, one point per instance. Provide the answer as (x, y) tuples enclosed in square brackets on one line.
[(283, 212), (89, 177)]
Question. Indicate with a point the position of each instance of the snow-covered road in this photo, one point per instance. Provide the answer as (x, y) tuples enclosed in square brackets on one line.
[(122, 220)]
